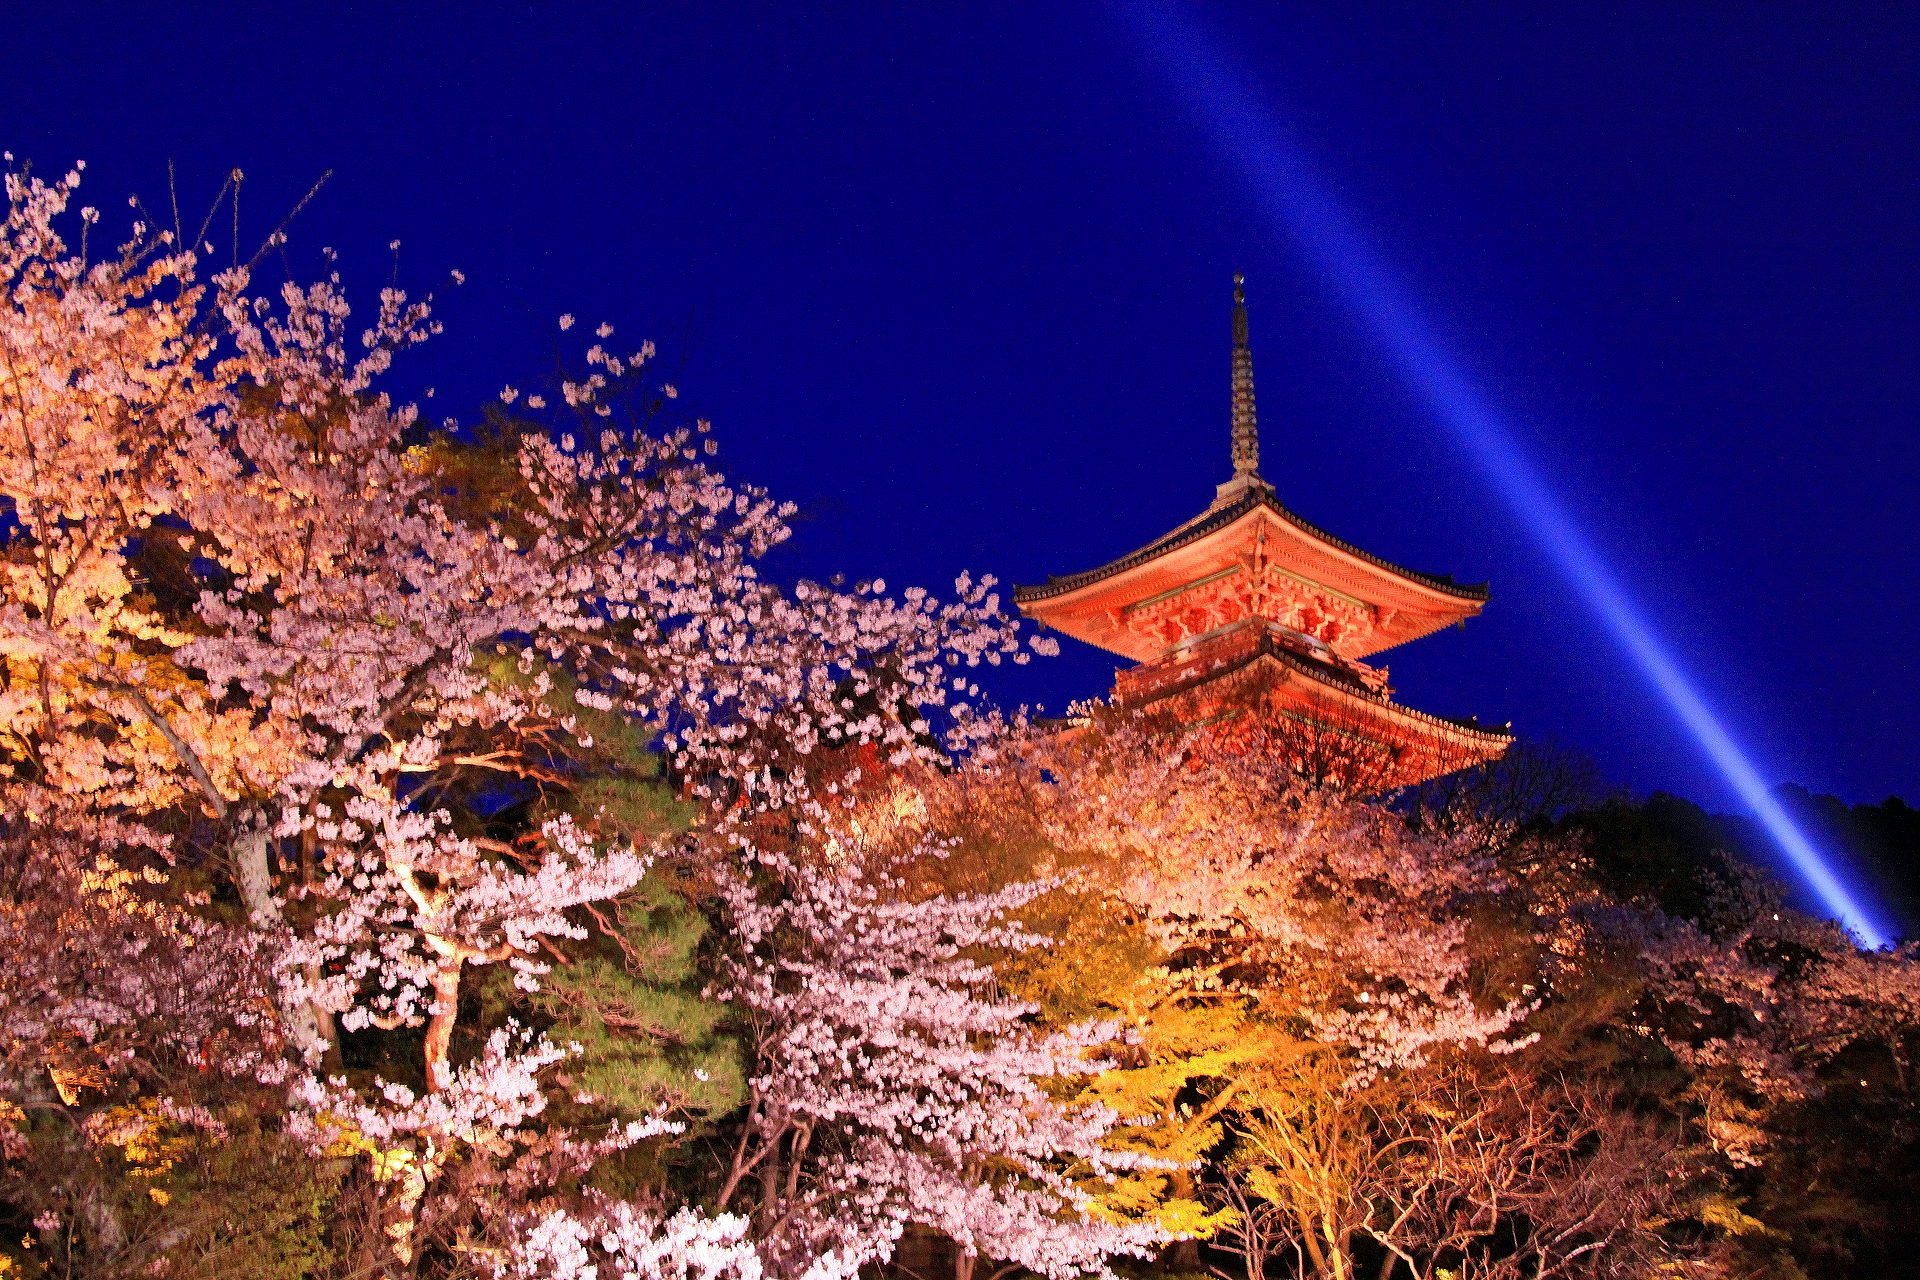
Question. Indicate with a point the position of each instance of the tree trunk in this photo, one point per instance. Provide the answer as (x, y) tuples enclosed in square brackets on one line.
[(254, 878), (106, 1236), (446, 1009), (308, 1024), (1310, 1238), (399, 1208), (1181, 1256), (770, 1183)]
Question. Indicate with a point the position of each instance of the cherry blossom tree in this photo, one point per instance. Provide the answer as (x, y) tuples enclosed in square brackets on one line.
[(892, 1086), (1760, 1001), (1313, 950), (1337, 911), (121, 1013)]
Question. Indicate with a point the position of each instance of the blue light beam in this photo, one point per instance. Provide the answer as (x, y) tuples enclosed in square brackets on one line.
[(1230, 111)]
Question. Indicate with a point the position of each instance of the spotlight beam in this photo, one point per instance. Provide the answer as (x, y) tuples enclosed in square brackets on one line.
[(1231, 112)]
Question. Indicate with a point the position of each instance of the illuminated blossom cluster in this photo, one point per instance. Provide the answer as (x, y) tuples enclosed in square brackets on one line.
[(893, 1086), (1759, 1000), (105, 978), (1360, 920), (618, 1241)]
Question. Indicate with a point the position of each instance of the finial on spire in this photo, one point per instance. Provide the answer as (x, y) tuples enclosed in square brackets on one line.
[(1246, 431)]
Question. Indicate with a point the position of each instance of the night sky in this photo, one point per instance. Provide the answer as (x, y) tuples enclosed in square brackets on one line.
[(957, 280)]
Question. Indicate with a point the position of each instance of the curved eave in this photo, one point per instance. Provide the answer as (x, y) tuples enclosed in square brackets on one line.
[(1467, 729), (1493, 739), (1194, 530)]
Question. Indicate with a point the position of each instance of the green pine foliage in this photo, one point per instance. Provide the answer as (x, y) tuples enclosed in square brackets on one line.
[(632, 999), (635, 804), (632, 995)]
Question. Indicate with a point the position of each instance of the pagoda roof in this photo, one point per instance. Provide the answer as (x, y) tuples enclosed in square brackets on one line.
[(1333, 679), (1218, 517), (1251, 547)]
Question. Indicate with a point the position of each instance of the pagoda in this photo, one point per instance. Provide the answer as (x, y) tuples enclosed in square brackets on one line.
[(1247, 608)]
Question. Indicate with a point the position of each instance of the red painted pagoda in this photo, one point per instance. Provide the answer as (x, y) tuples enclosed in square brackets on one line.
[(1248, 608)]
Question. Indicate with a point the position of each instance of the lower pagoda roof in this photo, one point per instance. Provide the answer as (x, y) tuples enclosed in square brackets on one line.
[(1155, 682), (1347, 729)]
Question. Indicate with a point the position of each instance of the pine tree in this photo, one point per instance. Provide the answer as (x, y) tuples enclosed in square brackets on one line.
[(632, 1000)]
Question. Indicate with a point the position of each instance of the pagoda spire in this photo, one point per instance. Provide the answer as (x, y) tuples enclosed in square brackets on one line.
[(1246, 429)]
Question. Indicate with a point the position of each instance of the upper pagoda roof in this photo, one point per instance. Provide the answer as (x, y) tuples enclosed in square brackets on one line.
[(1218, 517)]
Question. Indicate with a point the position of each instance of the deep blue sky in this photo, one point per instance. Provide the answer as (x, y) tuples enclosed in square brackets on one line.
[(956, 280)]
